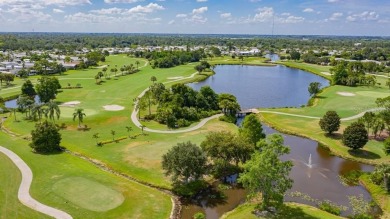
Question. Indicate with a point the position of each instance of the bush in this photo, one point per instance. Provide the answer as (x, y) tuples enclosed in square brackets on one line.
[(199, 215), (229, 119), (330, 207), (386, 145), (189, 189), (150, 117), (183, 123), (352, 177)]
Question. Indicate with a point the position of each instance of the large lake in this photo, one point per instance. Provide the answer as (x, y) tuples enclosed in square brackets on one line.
[(258, 86), (280, 86)]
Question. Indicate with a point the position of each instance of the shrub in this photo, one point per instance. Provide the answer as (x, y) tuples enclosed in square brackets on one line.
[(183, 123), (386, 145), (150, 117), (229, 119), (189, 189), (199, 215), (330, 207)]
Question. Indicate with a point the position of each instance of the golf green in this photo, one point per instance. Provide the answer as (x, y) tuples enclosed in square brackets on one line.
[(88, 194)]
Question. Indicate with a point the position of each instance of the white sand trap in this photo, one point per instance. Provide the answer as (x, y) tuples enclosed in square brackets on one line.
[(71, 103), (346, 94), (174, 78), (113, 107), (326, 73), (103, 66)]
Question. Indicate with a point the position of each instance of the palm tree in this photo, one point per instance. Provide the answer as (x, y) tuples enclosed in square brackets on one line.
[(53, 110), (129, 129), (37, 111), (79, 114), (137, 63), (96, 136), (113, 135)]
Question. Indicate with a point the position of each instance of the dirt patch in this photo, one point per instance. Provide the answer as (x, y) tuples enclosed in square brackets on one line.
[(71, 103), (346, 94), (113, 108)]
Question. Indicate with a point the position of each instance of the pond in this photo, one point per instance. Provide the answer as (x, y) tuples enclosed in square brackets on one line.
[(260, 86), (315, 172), (12, 104)]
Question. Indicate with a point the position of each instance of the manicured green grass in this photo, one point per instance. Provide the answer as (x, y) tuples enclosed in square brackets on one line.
[(228, 60), (10, 206), (140, 157), (88, 194), (52, 172), (316, 69), (380, 196), (291, 211)]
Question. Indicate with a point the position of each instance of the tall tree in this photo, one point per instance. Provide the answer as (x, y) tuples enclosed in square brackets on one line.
[(251, 129), (28, 89), (184, 161), (330, 122), (267, 174), (45, 138), (47, 88), (314, 88), (355, 136)]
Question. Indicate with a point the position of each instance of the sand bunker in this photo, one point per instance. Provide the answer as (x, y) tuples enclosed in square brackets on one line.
[(326, 73), (71, 103), (113, 107), (103, 66), (346, 94)]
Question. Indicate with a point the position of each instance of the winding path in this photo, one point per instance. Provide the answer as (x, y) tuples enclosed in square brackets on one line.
[(24, 194), (135, 120), (315, 117)]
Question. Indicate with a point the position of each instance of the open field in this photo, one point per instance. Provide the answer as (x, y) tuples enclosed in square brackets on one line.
[(291, 210)]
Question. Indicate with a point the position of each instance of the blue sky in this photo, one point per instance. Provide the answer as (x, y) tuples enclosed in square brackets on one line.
[(319, 17)]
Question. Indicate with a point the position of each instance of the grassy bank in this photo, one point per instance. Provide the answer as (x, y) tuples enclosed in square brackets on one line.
[(320, 70), (380, 196), (291, 211)]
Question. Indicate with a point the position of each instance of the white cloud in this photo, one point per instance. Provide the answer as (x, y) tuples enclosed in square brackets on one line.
[(199, 10), (121, 1), (152, 7), (108, 11), (181, 15), (291, 20), (285, 14), (196, 18), (333, 1), (364, 16), (308, 10), (336, 16), (171, 22), (226, 15), (56, 10), (264, 14), (201, 0)]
